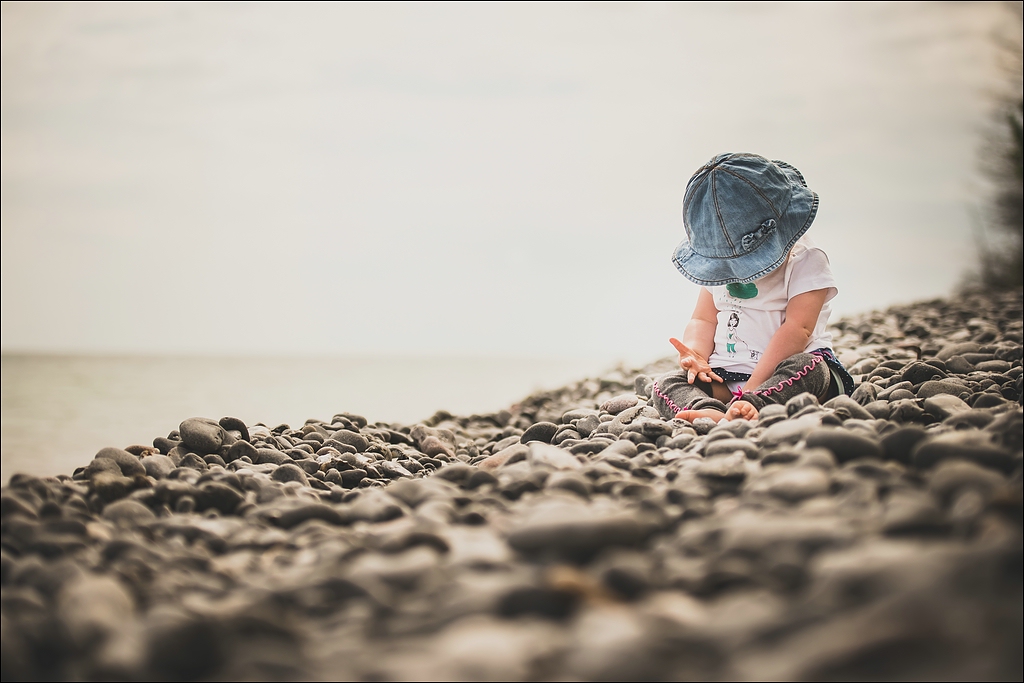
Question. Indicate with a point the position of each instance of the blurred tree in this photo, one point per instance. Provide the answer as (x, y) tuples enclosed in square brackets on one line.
[(1002, 250)]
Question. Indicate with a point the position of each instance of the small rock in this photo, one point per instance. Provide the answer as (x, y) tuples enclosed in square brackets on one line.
[(619, 403), (128, 513), (541, 431), (844, 444), (944, 406), (201, 435), (129, 465)]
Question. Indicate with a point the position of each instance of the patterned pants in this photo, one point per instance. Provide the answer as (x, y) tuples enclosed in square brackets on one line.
[(803, 372)]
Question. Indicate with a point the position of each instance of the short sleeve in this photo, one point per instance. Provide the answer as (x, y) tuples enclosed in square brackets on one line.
[(810, 271)]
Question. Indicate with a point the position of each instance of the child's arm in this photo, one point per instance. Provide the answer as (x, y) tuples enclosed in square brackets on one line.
[(699, 340), (791, 338)]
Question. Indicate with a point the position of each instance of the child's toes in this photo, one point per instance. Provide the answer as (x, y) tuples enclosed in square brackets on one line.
[(742, 410)]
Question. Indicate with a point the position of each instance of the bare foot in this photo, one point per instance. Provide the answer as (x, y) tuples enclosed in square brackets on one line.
[(691, 415), (741, 410)]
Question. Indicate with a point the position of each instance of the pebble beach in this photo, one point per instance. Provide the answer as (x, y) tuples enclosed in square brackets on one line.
[(573, 536)]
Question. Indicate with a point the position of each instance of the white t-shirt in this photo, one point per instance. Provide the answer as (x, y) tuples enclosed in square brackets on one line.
[(746, 325)]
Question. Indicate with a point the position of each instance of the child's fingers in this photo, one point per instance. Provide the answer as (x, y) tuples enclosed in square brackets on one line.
[(716, 377), (680, 346)]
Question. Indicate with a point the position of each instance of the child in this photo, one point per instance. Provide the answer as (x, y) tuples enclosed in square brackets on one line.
[(757, 335)]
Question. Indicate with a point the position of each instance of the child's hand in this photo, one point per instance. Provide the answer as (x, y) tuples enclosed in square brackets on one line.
[(694, 365)]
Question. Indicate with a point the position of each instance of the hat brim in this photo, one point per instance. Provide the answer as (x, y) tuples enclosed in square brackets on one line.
[(710, 271)]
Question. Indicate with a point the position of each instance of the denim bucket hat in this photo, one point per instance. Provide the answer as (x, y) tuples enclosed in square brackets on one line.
[(742, 214)]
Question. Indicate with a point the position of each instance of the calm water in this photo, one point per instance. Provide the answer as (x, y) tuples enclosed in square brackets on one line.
[(57, 411)]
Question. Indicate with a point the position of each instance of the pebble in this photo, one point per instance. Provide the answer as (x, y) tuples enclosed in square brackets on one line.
[(576, 535)]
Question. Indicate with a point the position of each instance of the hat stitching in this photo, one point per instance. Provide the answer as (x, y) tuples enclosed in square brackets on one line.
[(718, 211), (757, 190)]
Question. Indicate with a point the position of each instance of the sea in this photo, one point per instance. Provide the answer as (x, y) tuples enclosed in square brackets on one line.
[(58, 411)]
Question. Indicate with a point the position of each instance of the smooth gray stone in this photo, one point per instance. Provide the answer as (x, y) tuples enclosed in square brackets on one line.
[(898, 444), (919, 372), (111, 486), (217, 496), (878, 409), (800, 402), (375, 506), (905, 410), (269, 456), (193, 462), (297, 515), (570, 481), (578, 534), (944, 406), (356, 441), (885, 395), (129, 465), (794, 484), (729, 446), (943, 386), (972, 444), (953, 476), (846, 408), (233, 424), (565, 435), (865, 393), (970, 419), (505, 443), (157, 466), (552, 456), (951, 350), (623, 447), (540, 431), (642, 386), (844, 444), (789, 431), (988, 400), (901, 395), (999, 366), (240, 449), (959, 365), (460, 472), (590, 447), (201, 435), (128, 513), (393, 470), (912, 513), (289, 472), (1008, 430), (587, 424), (350, 478), (730, 466), (577, 414), (339, 446), (1009, 351), (618, 404), (102, 465)]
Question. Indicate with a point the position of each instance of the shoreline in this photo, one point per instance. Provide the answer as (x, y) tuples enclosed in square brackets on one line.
[(573, 535)]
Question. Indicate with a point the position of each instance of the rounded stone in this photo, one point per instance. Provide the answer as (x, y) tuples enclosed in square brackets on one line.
[(129, 465), (540, 431), (201, 435), (845, 445), (128, 513), (289, 472)]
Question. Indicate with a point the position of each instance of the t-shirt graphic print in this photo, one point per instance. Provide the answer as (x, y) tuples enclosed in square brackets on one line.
[(749, 316)]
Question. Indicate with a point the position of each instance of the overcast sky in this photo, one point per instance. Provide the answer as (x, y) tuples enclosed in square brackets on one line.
[(458, 179)]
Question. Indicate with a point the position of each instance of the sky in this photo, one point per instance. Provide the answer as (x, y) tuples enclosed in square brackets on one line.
[(459, 179)]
